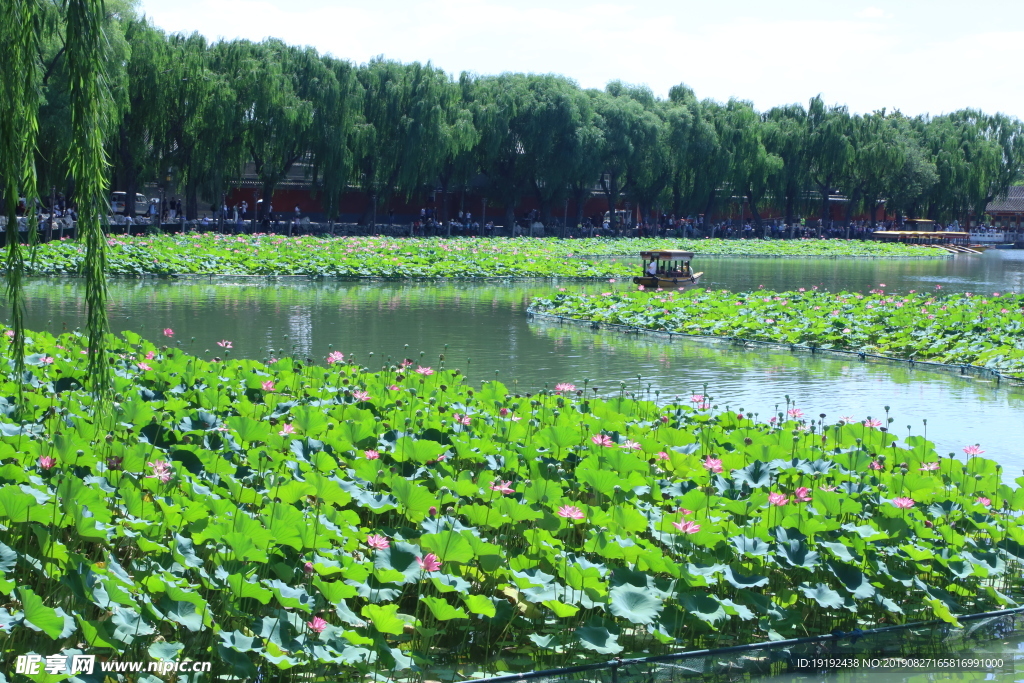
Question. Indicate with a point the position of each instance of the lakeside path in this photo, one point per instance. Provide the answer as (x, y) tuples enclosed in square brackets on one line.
[(385, 257)]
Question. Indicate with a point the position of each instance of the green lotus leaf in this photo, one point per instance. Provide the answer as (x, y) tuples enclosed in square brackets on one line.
[(416, 450), (797, 554), (703, 606), (53, 622), (416, 499), (823, 595), (598, 639), (853, 579), (239, 642), (15, 505), (480, 604), (400, 557), (449, 546), (740, 580), (442, 610), (384, 618), (755, 475), (243, 588), (560, 609), (129, 625), (637, 605), (753, 547)]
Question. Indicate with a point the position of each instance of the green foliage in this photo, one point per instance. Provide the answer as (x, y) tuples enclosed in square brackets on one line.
[(193, 519), (213, 254), (958, 329)]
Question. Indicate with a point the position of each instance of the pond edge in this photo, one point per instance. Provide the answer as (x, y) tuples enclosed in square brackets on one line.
[(973, 371)]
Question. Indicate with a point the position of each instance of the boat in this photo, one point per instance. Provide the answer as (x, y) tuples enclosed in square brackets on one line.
[(672, 270)]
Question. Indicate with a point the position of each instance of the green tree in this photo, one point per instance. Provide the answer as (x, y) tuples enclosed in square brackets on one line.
[(828, 149)]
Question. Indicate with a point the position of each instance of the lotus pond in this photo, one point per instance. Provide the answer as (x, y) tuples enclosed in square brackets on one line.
[(482, 328), (215, 254), (293, 519)]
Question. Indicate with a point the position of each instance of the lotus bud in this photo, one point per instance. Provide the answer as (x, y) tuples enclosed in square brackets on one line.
[(432, 511)]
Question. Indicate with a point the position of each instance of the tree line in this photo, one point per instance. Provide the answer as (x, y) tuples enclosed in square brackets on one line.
[(200, 112)]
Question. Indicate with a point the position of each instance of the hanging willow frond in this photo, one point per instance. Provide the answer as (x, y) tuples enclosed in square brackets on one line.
[(20, 22), (87, 162)]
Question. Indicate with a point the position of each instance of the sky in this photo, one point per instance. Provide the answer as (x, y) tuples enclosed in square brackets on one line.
[(917, 56)]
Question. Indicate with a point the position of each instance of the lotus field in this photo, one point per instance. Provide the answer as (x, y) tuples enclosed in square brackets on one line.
[(215, 254), (296, 519), (960, 329)]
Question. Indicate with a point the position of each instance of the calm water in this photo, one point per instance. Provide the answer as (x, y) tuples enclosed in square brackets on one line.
[(482, 329), (993, 270)]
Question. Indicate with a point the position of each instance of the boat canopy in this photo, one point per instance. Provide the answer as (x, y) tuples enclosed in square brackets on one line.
[(666, 255)]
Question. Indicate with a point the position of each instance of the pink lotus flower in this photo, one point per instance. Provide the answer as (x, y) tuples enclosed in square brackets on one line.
[(973, 450), (316, 625), (378, 542), (795, 413), (372, 455), (713, 465), (308, 567), (632, 446), (903, 503), (143, 366), (47, 360), (161, 470), (224, 344), (872, 423), (150, 356), (9, 334), (429, 562), (463, 419), (602, 440), (503, 412), (827, 488), (684, 511), (565, 387), (268, 385), (426, 372), (47, 462), (803, 494), (779, 499), (503, 487), (360, 395), (335, 357), (697, 398), (394, 387), (570, 512), (875, 465), (929, 467), (168, 332), (286, 430), (982, 500), (687, 526), (847, 330), (662, 455)]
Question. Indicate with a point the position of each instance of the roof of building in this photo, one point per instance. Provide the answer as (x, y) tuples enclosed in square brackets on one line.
[(1012, 203)]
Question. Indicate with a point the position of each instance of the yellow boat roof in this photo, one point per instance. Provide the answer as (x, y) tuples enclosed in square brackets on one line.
[(666, 254)]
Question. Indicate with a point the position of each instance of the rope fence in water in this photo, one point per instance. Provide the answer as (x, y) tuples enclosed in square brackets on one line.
[(910, 648)]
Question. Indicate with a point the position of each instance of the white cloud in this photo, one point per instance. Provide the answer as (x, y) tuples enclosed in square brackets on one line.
[(872, 13)]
